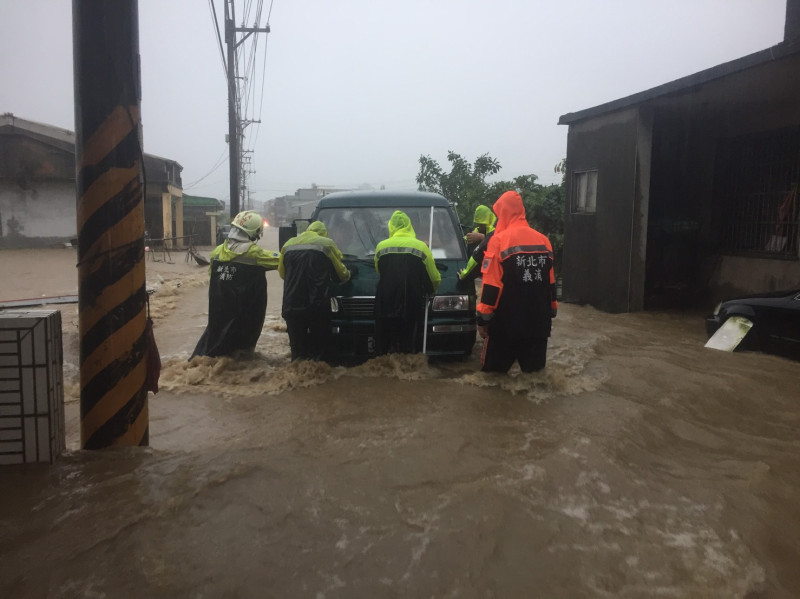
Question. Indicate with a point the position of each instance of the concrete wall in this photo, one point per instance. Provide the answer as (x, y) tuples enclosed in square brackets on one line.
[(604, 252), (37, 186), (23, 159), (45, 210), (195, 222), (736, 276), (791, 27), (685, 190), (680, 232), (730, 275), (161, 207)]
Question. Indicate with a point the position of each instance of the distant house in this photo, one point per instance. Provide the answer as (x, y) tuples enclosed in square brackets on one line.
[(284, 209), (688, 192), (38, 194), (200, 218)]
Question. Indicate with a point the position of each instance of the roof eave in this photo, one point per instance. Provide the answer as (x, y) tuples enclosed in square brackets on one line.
[(685, 84)]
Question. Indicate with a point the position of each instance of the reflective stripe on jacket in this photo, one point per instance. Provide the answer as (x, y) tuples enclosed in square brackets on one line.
[(309, 264), (518, 291), (311, 241), (230, 251), (403, 240)]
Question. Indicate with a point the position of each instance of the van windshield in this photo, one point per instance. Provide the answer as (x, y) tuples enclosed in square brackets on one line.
[(357, 230)]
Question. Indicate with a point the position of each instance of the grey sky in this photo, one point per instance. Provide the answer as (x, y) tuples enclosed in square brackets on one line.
[(356, 90)]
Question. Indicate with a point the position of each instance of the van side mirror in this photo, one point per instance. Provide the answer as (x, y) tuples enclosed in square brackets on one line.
[(285, 233)]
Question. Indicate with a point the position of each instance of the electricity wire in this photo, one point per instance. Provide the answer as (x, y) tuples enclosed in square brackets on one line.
[(217, 164), (219, 37)]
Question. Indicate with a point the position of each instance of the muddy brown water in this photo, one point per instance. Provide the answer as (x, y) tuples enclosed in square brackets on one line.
[(638, 464)]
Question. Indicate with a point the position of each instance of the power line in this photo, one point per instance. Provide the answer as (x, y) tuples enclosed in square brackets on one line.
[(242, 50), (209, 184), (217, 164), (219, 38), (263, 79)]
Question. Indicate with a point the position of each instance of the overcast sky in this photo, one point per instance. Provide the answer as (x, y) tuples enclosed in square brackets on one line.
[(356, 90)]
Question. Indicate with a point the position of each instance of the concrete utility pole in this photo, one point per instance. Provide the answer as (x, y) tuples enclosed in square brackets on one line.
[(235, 128), (110, 210)]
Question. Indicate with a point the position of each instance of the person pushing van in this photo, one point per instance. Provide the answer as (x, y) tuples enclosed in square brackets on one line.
[(309, 264), (237, 292), (408, 275)]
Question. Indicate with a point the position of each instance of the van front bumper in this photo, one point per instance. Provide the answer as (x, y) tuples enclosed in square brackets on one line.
[(355, 339)]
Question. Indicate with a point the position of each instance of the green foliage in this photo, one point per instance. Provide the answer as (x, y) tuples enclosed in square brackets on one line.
[(561, 167), (466, 186)]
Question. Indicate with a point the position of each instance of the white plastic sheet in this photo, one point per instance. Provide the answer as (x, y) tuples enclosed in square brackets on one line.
[(730, 334)]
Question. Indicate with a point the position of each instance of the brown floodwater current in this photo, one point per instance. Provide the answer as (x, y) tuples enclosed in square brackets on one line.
[(638, 464)]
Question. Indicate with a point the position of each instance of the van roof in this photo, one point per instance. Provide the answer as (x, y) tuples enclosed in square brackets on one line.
[(399, 199)]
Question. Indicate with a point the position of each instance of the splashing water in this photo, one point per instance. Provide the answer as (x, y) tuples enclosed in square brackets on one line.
[(636, 464)]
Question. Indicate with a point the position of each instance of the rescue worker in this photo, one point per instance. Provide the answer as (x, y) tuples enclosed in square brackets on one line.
[(408, 275), (237, 293), (518, 295), (483, 220), (310, 264), (473, 268)]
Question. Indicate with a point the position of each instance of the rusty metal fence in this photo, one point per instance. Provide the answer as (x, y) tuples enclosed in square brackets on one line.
[(160, 249), (760, 213)]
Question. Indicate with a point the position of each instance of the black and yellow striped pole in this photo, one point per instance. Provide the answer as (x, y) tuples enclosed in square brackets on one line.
[(110, 210)]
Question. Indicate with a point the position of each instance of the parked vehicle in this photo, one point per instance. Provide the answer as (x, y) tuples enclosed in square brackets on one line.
[(357, 221), (775, 317)]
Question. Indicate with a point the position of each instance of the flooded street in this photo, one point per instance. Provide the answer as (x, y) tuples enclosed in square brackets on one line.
[(638, 464)]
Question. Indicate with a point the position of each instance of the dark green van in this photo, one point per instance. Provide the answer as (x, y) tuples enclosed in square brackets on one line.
[(357, 221)]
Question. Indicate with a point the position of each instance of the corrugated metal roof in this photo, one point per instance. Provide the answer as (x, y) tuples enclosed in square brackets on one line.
[(684, 84), (64, 137), (189, 200)]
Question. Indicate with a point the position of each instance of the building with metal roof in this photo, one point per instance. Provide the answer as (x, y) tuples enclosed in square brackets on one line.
[(37, 187), (687, 192), (201, 215)]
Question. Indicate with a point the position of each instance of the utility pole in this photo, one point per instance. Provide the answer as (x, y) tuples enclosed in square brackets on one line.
[(233, 117), (235, 129), (110, 218)]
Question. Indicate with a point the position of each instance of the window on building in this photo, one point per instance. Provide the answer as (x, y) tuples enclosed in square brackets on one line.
[(584, 191), (760, 201)]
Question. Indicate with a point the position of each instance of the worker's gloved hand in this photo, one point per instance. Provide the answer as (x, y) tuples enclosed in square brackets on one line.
[(483, 331), (553, 312), (461, 275)]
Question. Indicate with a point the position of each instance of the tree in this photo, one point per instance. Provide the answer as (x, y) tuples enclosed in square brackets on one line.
[(465, 185)]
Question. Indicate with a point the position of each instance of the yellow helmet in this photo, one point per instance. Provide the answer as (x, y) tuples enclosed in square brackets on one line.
[(250, 222)]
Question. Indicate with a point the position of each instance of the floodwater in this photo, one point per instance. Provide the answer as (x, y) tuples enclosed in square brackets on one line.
[(638, 464)]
